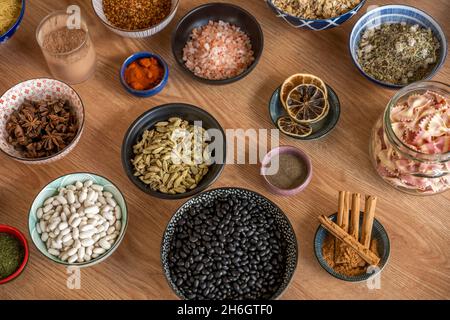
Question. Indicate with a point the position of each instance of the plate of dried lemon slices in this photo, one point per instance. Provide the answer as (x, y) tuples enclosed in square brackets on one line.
[(304, 107)]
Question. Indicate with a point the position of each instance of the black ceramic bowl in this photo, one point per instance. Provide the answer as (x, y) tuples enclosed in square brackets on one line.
[(217, 11), (161, 113), (211, 196)]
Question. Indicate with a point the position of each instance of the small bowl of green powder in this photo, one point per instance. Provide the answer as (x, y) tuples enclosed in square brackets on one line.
[(13, 253), (396, 45)]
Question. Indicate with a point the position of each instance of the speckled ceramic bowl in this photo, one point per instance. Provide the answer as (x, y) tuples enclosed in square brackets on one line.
[(142, 33), (38, 89), (262, 202), (51, 189), (287, 150), (383, 246)]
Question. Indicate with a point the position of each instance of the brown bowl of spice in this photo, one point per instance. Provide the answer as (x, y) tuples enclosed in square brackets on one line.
[(13, 253), (286, 170), (41, 121), (352, 245)]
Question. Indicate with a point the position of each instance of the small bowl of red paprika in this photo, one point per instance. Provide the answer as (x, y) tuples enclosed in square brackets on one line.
[(144, 74)]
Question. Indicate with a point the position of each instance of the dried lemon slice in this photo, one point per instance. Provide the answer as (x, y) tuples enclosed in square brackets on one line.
[(288, 126), (307, 103), (297, 79)]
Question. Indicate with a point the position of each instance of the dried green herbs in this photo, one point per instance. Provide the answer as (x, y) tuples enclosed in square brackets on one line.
[(11, 255), (398, 53)]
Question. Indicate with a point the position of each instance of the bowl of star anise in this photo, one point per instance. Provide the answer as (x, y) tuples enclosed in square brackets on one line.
[(41, 121)]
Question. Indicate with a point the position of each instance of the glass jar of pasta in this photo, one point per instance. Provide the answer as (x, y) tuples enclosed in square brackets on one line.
[(410, 143)]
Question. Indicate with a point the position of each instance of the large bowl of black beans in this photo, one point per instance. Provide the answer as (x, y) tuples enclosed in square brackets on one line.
[(229, 243)]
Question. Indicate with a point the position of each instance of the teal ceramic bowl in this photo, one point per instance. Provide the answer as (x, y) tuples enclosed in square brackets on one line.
[(51, 189)]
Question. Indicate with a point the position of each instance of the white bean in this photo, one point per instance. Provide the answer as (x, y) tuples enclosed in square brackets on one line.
[(63, 225), (67, 237), (107, 194), (99, 251), (104, 244), (68, 243), (75, 233), (44, 236), (87, 242), (39, 213), (70, 197), (88, 183), (71, 187), (118, 225), (111, 202), (78, 185), (38, 228), (82, 197), (72, 251), (61, 200), (75, 223), (87, 234), (81, 252), (77, 244), (47, 208), (53, 252), (92, 209), (87, 227), (48, 201), (73, 258), (118, 212)]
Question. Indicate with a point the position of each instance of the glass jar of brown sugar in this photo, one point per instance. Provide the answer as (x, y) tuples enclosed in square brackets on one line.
[(67, 47)]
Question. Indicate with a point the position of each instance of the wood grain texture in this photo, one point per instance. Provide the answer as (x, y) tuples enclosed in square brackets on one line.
[(419, 267)]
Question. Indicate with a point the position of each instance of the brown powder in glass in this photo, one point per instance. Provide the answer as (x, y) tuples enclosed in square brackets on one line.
[(64, 40), (347, 262), (291, 173)]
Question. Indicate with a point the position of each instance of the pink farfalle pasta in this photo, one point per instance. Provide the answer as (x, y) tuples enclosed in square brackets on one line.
[(410, 147)]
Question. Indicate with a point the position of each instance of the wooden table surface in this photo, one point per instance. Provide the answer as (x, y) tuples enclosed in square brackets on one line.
[(418, 227)]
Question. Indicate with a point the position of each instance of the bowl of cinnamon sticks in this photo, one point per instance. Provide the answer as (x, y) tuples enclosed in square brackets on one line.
[(352, 245)]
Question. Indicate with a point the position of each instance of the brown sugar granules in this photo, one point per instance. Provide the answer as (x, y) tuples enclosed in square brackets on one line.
[(136, 14), (346, 262)]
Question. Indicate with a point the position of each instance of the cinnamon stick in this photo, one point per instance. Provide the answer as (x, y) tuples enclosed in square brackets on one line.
[(345, 213), (341, 204), (369, 214), (354, 220), (365, 253)]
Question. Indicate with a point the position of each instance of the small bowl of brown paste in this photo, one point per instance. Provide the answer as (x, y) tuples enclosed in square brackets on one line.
[(286, 170)]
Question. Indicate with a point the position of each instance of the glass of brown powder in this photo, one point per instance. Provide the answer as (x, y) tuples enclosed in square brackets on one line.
[(67, 47)]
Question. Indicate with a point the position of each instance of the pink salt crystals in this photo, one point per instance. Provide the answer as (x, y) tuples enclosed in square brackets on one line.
[(217, 51)]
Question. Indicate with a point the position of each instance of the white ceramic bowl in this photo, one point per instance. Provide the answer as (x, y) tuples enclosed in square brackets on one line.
[(51, 189), (142, 33), (38, 89)]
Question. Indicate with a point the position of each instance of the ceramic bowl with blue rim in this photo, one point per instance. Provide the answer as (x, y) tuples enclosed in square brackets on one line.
[(397, 14), (211, 196), (13, 28), (97, 5), (150, 92), (51, 189), (314, 24), (319, 129), (383, 247)]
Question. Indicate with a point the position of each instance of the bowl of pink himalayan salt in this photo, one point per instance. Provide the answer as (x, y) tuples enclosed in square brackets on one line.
[(218, 43)]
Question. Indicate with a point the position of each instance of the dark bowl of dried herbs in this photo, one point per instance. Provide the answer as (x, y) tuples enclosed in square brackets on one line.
[(13, 253), (41, 121), (395, 45)]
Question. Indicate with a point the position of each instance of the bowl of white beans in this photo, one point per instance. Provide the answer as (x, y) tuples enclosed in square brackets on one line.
[(78, 219)]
